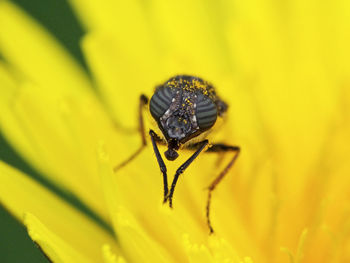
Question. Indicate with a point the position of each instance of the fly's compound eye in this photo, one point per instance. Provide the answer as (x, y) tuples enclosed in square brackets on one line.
[(161, 101), (206, 112)]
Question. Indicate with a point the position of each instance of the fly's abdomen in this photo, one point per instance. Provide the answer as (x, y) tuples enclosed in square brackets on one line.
[(160, 102), (206, 112)]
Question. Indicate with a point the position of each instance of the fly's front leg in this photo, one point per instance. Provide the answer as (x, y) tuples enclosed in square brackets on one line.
[(154, 139), (202, 145)]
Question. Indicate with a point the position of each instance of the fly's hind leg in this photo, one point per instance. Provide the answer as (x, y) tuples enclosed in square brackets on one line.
[(142, 103), (219, 148)]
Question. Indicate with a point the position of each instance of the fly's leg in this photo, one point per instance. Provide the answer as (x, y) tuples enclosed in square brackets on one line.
[(181, 169), (219, 148), (142, 103), (154, 139)]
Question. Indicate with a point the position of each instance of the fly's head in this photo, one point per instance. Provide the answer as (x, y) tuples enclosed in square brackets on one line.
[(184, 107)]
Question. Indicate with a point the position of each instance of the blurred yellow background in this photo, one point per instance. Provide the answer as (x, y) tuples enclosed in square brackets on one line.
[(283, 66)]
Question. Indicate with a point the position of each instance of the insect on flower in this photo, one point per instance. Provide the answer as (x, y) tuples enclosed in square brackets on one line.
[(184, 107)]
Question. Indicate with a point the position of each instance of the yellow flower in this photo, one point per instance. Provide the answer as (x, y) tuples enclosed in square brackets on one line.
[(282, 67)]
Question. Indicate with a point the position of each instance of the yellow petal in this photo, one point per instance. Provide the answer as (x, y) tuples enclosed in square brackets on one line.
[(54, 247), (111, 14), (182, 34), (197, 253), (55, 134), (20, 195), (8, 123), (130, 191), (121, 75), (136, 243), (111, 257), (36, 54), (190, 37)]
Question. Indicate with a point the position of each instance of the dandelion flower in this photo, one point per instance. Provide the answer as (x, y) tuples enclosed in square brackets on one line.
[(283, 69)]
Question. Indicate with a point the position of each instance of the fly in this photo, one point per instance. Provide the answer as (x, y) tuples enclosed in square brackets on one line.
[(184, 107)]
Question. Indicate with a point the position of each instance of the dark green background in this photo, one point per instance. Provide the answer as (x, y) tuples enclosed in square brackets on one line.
[(15, 245)]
